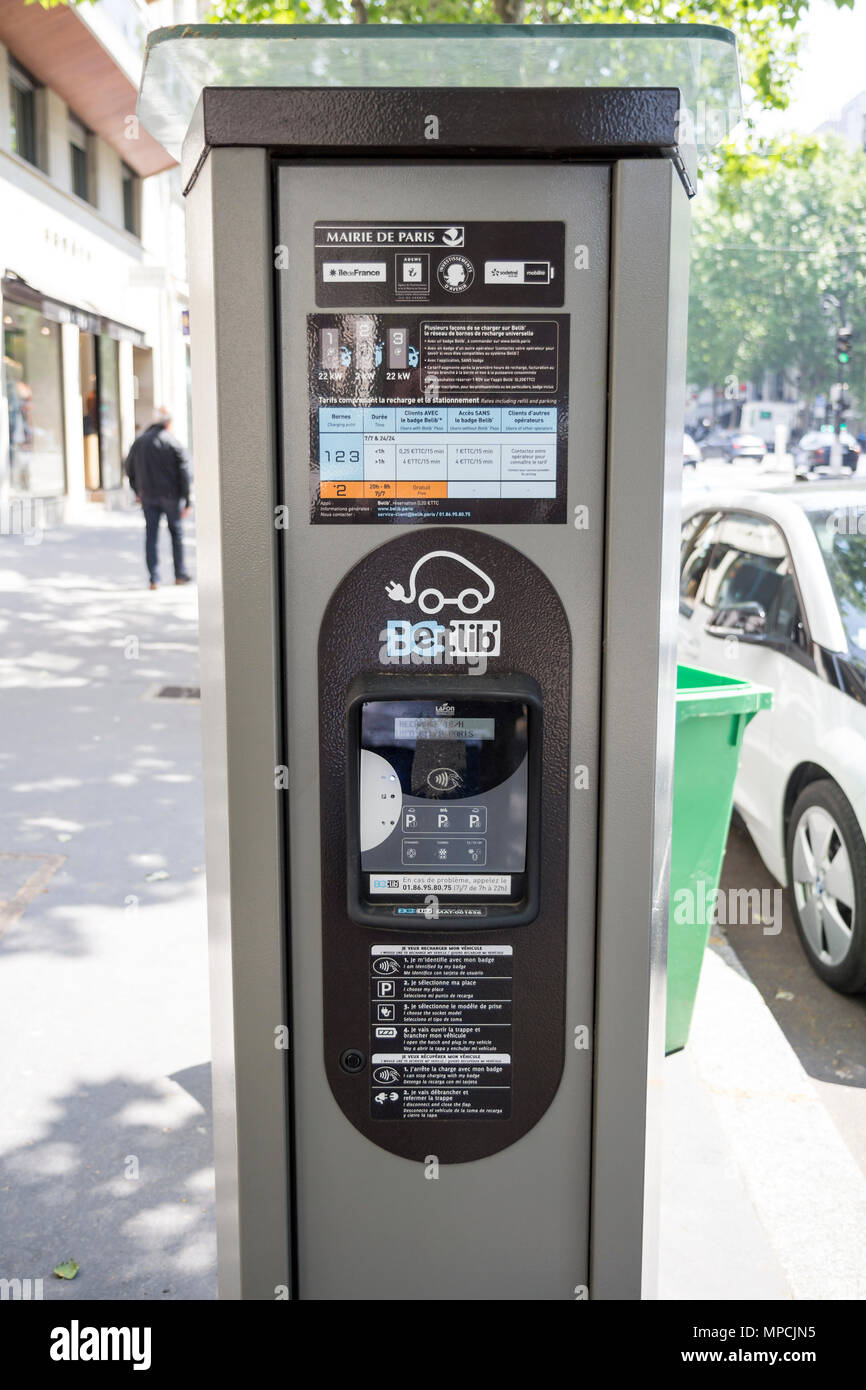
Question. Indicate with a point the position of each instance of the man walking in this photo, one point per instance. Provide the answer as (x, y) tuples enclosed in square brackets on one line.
[(158, 470)]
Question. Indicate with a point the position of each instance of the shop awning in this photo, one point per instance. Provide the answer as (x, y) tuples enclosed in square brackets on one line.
[(16, 291)]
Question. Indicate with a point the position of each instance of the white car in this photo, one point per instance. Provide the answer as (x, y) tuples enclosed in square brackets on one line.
[(773, 589), (812, 454)]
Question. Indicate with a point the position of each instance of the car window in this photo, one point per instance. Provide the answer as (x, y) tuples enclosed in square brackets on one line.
[(695, 550), (749, 565), (843, 548)]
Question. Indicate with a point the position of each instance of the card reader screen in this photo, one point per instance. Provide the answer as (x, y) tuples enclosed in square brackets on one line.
[(444, 728), (443, 799)]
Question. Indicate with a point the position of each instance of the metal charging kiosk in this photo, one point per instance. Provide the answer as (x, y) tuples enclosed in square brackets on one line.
[(438, 308)]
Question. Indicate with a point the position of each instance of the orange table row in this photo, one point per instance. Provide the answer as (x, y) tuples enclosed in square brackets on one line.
[(415, 488)]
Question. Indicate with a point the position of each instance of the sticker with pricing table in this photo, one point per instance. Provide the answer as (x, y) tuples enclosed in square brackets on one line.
[(440, 1026), (441, 418)]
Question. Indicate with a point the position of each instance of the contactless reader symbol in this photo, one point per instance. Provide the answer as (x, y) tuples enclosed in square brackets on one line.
[(444, 779), (386, 1075), (386, 966)]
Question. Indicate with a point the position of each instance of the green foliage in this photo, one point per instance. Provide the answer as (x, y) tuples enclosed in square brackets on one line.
[(785, 227), (759, 158)]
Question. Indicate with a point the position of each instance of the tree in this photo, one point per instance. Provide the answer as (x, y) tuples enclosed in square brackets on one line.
[(763, 259)]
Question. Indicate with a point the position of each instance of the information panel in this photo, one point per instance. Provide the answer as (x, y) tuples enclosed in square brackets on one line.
[(440, 1024), (436, 417)]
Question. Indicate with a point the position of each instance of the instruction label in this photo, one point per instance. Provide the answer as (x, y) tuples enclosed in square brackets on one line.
[(440, 1025), (437, 417)]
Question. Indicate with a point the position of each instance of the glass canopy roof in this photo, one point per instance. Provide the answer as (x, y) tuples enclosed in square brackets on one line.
[(699, 59)]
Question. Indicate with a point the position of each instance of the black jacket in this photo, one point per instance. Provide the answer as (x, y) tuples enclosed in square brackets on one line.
[(158, 467)]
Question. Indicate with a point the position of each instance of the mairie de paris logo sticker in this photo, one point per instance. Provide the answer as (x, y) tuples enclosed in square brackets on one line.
[(455, 273)]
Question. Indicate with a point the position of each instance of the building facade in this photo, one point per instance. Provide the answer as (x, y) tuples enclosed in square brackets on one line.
[(851, 124), (93, 282)]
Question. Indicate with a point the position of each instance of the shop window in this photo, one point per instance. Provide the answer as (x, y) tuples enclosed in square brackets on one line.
[(110, 456), (34, 398)]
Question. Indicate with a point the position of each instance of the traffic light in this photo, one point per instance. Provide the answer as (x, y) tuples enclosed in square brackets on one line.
[(843, 345)]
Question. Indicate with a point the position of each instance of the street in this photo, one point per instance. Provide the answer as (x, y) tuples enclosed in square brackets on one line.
[(714, 473), (827, 1030)]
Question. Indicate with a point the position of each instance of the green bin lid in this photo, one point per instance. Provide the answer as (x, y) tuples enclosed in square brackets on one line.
[(705, 693)]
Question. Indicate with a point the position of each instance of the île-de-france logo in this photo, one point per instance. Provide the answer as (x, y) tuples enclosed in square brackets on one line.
[(469, 640)]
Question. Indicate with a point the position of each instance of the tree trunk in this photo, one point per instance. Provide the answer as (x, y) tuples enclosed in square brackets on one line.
[(510, 11)]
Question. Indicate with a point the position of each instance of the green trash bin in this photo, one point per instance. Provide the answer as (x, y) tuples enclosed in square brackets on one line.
[(712, 714)]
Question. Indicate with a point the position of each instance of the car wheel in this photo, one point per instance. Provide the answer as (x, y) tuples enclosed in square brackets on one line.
[(826, 861)]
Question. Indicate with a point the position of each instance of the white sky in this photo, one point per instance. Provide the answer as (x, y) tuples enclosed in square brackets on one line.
[(833, 68)]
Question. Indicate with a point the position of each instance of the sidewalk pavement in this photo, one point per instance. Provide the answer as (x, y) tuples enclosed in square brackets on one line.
[(761, 1197), (105, 1145)]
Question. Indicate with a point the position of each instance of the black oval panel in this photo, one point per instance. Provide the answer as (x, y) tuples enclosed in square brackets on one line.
[(534, 642)]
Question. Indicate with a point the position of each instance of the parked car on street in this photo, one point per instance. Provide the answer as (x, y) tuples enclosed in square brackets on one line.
[(716, 443), (747, 446), (734, 445), (773, 589), (812, 454)]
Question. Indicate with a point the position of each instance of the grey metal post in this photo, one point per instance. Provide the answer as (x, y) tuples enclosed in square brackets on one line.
[(232, 369), (244, 688), (649, 301)]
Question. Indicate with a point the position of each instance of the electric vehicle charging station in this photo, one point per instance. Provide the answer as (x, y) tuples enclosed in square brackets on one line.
[(438, 346)]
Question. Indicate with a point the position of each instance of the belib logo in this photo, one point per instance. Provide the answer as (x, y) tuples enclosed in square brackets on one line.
[(425, 642)]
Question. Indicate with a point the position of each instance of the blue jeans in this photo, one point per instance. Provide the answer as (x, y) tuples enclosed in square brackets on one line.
[(170, 508)]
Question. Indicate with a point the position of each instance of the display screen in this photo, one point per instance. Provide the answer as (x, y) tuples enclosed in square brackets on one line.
[(443, 799), (444, 728)]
